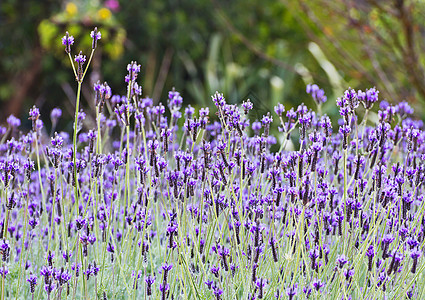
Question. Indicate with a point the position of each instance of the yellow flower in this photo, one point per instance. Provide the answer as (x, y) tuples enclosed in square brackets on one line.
[(71, 9), (104, 13)]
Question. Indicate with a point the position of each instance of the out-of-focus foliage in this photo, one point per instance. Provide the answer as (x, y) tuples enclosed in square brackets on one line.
[(271, 42), (371, 42), (260, 50), (245, 49), (79, 18), (19, 40)]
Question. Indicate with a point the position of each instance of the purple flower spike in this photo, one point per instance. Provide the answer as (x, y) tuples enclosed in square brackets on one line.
[(33, 282), (149, 281), (34, 113), (55, 114), (266, 120), (370, 253), (217, 293), (317, 284), (133, 70), (292, 291), (4, 271), (279, 109), (247, 106), (388, 239), (215, 270), (348, 273), (110, 248), (341, 261), (256, 126), (218, 99), (5, 250), (49, 287), (68, 41), (415, 254), (368, 98), (317, 93), (95, 35), (167, 267), (80, 58), (163, 288), (13, 121), (46, 271)]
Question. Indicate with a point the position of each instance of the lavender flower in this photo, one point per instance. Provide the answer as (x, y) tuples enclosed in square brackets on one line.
[(163, 288), (68, 41), (149, 281), (32, 280), (4, 250), (317, 93), (279, 109), (368, 98), (13, 121), (80, 59), (217, 293), (247, 106), (341, 261), (95, 35), (218, 99), (317, 284), (415, 254), (292, 291), (215, 270), (4, 270), (370, 253), (260, 283), (55, 114)]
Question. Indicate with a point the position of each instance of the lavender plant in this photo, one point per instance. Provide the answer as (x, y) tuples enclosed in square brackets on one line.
[(206, 210)]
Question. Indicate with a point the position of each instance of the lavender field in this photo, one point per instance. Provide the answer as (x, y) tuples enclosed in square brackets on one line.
[(168, 202)]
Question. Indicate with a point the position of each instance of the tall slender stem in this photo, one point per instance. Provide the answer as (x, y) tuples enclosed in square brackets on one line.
[(77, 104), (43, 200), (127, 164), (2, 285), (5, 225)]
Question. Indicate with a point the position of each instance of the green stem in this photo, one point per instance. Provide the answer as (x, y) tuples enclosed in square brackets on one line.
[(2, 287), (39, 173), (77, 104), (6, 221)]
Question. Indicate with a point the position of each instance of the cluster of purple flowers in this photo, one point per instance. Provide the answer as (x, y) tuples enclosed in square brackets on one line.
[(209, 206)]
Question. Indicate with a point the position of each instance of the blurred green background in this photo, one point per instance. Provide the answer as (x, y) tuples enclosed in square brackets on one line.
[(267, 51)]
